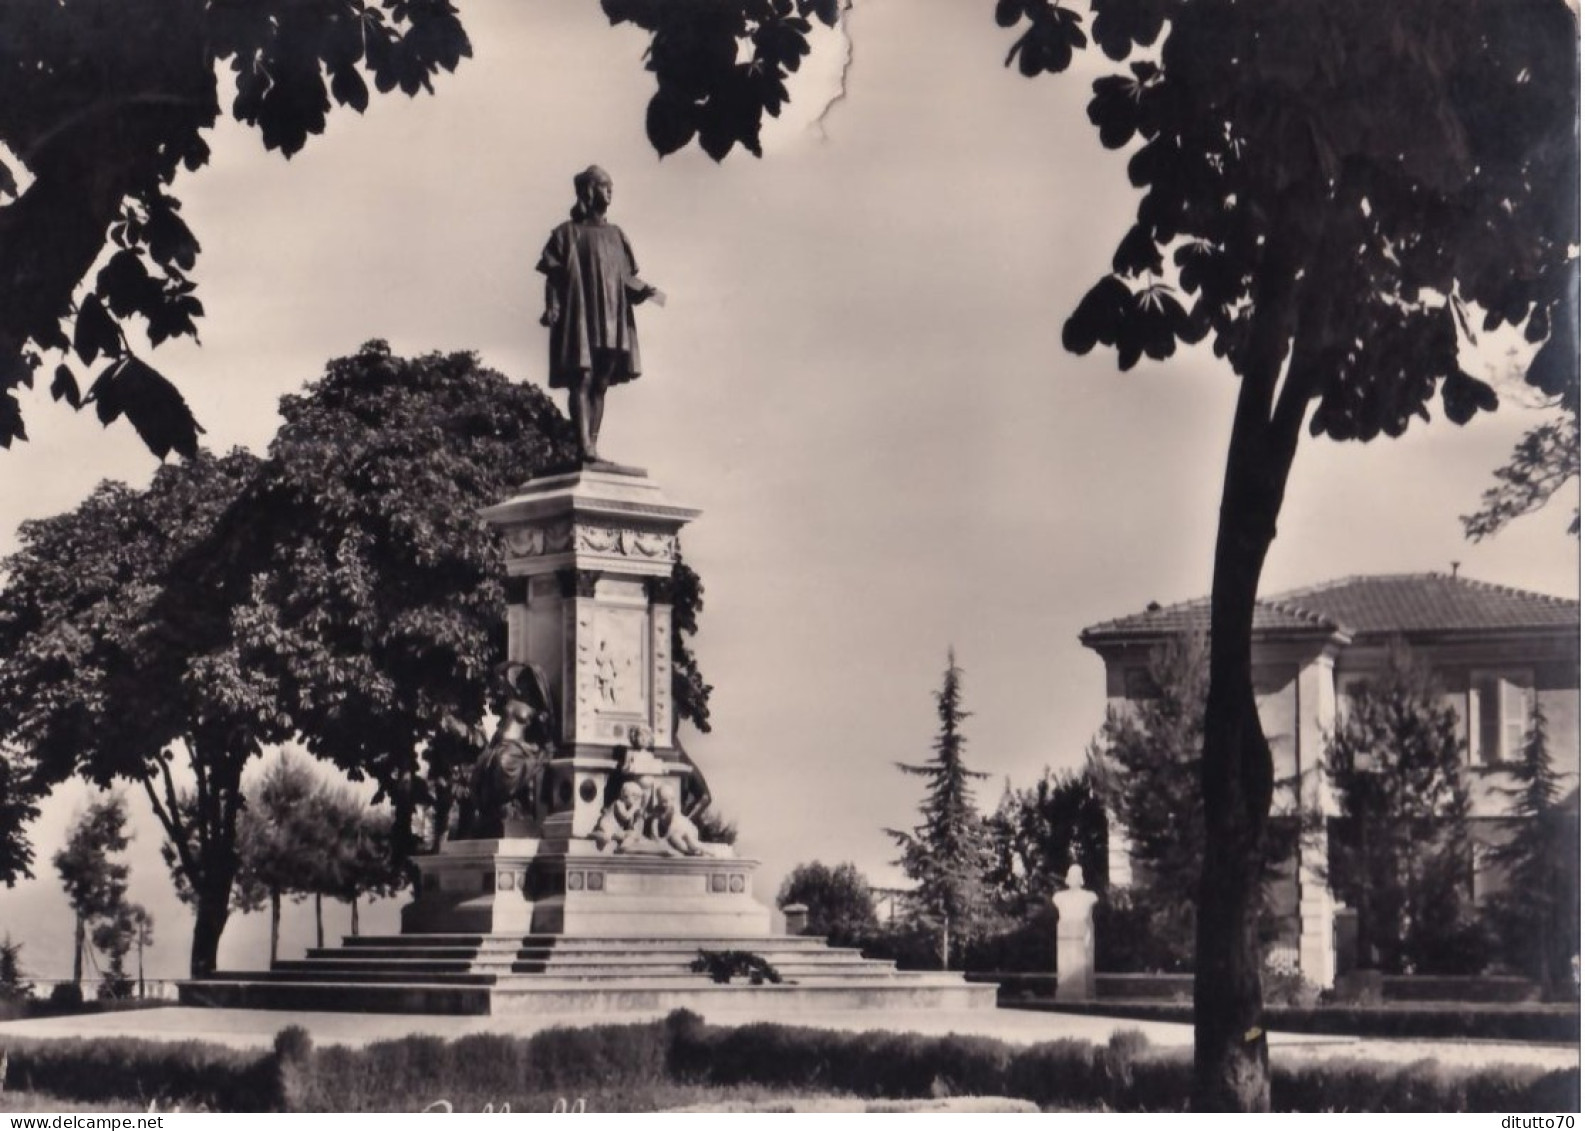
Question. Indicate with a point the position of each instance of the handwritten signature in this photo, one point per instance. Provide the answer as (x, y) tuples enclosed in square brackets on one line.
[(562, 1106)]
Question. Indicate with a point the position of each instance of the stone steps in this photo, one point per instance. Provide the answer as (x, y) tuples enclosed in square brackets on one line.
[(488, 974)]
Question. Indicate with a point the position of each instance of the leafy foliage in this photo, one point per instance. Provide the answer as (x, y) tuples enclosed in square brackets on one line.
[(117, 657), (20, 791), (105, 104), (946, 854), (720, 67), (1546, 458), (1536, 912), (300, 837), (131, 926), (377, 609), (1039, 832), (1145, 763), (839, 901), (724, 965), (714, 826), (96, 885), (1401, 851)]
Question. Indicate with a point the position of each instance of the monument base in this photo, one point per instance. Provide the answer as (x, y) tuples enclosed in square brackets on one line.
[(568, 887)]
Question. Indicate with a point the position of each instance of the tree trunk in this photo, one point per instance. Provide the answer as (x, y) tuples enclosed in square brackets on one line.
[(1231, 1065), (354, 902), (319, 920), (275, 926), (946, 942), (140, 969), (212, 911), (80, 941)]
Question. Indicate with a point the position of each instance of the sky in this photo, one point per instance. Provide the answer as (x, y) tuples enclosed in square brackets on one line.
[(858, 377)]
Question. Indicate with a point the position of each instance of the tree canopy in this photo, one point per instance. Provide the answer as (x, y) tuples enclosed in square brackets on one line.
[(1038, 832), (838, 900), (102, 105), (118, 662), (95, 883)]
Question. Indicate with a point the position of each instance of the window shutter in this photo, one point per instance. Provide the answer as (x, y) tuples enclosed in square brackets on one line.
[(1518, 708), (1485, 727)]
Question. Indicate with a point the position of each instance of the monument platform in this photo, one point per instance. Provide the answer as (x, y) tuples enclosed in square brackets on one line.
[(505, 974)]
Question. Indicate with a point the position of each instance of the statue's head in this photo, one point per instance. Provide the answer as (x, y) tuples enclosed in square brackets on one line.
[(1075, 879), (594, 189), (666, 799), (631, 793)]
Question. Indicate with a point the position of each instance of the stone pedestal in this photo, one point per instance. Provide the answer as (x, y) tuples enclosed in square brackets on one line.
[(521, 886), (590, 556)]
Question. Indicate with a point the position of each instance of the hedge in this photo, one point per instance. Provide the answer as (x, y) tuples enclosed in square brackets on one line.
[(644, 1064), (1554, 1023)]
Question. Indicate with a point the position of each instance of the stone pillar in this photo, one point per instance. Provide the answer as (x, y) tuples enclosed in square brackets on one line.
[(1317, 908), (1075, 939), (797, 916)]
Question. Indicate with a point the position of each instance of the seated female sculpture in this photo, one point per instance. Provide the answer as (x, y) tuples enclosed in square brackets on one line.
[(505, 785)]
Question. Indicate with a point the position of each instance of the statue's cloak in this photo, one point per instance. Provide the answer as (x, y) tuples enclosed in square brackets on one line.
[(591, 268)]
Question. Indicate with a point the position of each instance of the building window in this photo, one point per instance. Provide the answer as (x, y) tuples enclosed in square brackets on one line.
[(1501, 705), (1138, 685)]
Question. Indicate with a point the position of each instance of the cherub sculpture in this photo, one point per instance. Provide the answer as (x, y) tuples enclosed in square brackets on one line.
[(621, 826), (668, 826)]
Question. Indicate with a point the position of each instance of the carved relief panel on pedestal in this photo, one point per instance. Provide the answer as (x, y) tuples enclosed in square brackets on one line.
[(612, 671)]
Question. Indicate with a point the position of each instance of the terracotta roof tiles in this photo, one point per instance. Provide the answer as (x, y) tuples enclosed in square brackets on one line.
[(1381, 604)]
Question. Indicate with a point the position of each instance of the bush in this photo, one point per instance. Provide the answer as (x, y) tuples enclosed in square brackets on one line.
[(115, 989), (1284, 984), (66, 996), (911, 946), (1026, 947), (724, 965), (1133, 937), (1425, 1086)]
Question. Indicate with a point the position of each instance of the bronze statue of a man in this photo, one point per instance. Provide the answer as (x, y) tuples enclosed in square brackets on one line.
[(591, 288)]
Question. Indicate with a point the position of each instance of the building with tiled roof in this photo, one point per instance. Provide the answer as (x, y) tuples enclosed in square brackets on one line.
[(1497, 651)]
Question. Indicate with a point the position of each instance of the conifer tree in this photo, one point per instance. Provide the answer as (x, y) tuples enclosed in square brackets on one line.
[(947, 854), (1401, 851), (13, 985), (1537, 911)]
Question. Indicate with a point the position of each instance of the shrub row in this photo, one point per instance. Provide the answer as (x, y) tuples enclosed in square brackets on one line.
[(1125, 1075), (189, 1073), (621, 1062), (486, 1068), (1557, 1023)]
